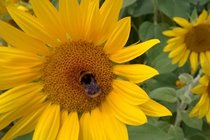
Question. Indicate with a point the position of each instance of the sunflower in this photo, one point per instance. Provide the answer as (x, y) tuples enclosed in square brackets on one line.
[(202, 108), (191, 40), (64, 74)]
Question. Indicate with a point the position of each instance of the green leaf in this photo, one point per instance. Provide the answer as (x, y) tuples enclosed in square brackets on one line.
[(163, 64), (191, 122), (176, 133), (194, 15), (195, 2), (55, 3), (147, 132), (166, 94), (146, 30), (164, 125), (127, 3), (208, 7), (174, 8), (186, 78), (25, 137), (185, 98), (149, 30), (141, 7), (203, 2), (195, 134), (198, 137), (161, 80)]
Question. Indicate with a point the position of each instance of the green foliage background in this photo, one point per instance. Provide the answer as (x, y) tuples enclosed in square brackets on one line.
[(149, 19)]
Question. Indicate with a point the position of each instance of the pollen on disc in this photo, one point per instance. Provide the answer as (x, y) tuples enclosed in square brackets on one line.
[(62, 75)]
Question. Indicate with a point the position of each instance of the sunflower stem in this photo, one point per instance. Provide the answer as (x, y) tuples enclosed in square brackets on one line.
[(181, 105), (155, 18)]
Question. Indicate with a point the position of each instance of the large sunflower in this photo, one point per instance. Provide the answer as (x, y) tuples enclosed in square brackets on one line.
[(202, 108), (60, 77), (191, 40)]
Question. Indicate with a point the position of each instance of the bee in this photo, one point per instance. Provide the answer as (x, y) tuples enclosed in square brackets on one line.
[(90, 85)]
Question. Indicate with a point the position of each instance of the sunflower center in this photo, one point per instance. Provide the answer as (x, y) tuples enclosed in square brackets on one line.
[(197, 39), (78, 76)]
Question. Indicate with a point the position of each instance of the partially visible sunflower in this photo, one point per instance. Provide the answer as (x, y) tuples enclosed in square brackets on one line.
[(202, 108), (191, 40), (64, 74)]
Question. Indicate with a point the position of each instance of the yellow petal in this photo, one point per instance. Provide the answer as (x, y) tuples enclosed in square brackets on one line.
[(30, 24), (180, 31), (48, 16), (126, 113), (24, 125), (48, 125), (17, 58), (136, 73), (199, 89), (169, 33), (96, 125), (201, 108), (177, 40), (35, 103), (18, 97), (202, 17), (113, 126), (21, 40), (91, 25), (169, 47), (83, 17), (205, 64), (130, 92), (64, 117), (204, 80), (202, 59), (119, 36), (11, 77), (182, 22), (70, 128), (177, 51), (133, 51), (70, 15), (177, 58), (208, 116), (85, 127), (194, 61), (109, 13), (152, 108), (208, 55), (184, 58), (204, 107)]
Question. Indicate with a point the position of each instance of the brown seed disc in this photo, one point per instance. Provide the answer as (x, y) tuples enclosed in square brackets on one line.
[(197, 39), (64, 71)]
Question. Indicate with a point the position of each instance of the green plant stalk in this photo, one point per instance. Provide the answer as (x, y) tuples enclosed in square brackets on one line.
[(155, 18), (181, 106)]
